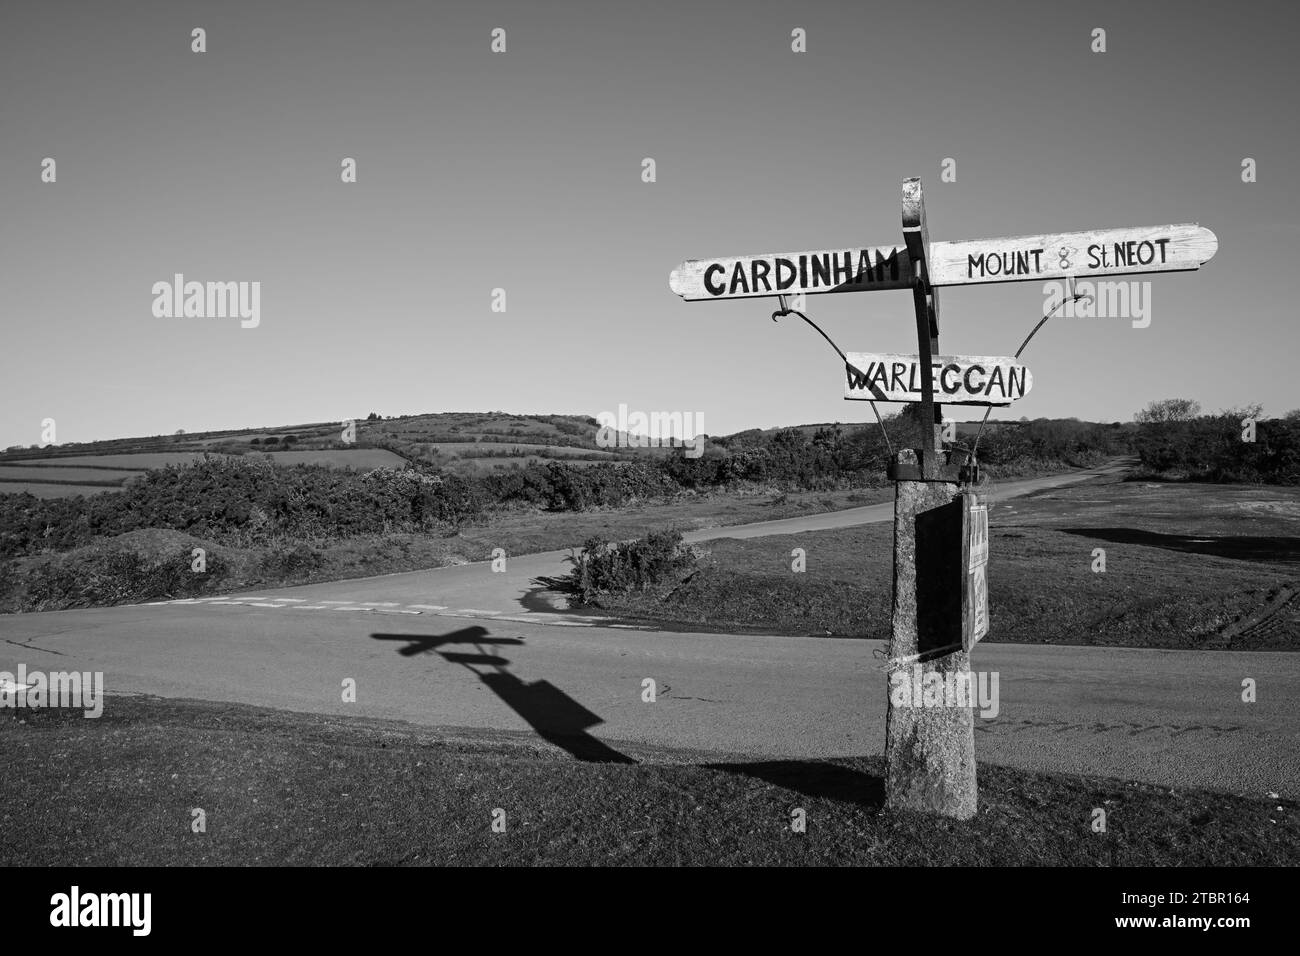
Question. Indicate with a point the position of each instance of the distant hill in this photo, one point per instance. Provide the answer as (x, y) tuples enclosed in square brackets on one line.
[(455, 441), (463, 442)]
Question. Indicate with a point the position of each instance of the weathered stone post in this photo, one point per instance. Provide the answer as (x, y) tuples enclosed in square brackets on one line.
[(929, 750)]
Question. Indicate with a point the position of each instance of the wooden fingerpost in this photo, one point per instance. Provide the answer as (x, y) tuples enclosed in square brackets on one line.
[(929, 744)]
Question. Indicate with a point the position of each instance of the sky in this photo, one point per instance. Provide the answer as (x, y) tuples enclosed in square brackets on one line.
[(523, 171)]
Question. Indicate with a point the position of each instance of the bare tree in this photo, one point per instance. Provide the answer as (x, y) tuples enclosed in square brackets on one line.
[(1169, 410)]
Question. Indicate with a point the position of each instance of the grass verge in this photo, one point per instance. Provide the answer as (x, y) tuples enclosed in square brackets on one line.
[(283, 788), (1186, 566)]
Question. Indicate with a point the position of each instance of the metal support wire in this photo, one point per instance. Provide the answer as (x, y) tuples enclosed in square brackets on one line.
[(1072, 297), (785, 310)]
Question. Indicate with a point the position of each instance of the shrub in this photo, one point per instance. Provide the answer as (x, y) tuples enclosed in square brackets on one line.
[(1211, 448), (658, 559), (290, 561), (116, 572)]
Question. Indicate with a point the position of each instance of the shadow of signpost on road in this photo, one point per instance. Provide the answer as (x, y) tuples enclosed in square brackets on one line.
[(422, 643), (559, 719), (555, 716)]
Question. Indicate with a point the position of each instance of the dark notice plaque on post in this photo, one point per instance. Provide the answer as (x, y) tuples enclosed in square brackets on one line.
[(952, 555)]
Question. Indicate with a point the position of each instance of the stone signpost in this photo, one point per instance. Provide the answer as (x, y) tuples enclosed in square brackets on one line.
[(941, 530)]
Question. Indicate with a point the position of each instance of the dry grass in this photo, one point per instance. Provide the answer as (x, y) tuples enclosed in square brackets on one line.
[(281, 788), (1187, 566)]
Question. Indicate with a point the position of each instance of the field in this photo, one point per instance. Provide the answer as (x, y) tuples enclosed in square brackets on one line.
[(450, 427), (457, 429), (51, 473), (466, 442), (44, 489), (94, 474), (1186, 566), (471, 464), (480, 456), (139, 461), (470, 449), (59, 479), (291, 789), (359, 458), (474, 443), (13, 479)]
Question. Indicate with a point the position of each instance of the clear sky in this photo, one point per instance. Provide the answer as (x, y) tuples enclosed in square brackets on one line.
[(522, 171)]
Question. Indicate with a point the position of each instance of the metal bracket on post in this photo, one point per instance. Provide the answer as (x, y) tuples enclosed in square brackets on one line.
[(904, 471), (925, 300), (848, 368)]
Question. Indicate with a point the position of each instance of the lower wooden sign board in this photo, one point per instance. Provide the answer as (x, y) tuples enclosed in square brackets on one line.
[(975, 585), (958, 379)]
